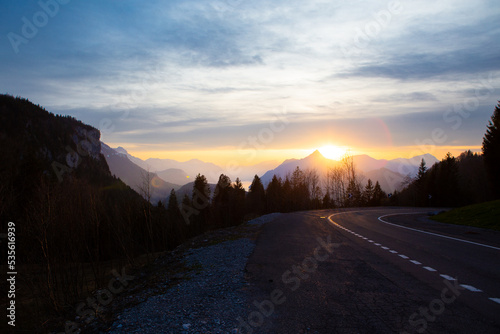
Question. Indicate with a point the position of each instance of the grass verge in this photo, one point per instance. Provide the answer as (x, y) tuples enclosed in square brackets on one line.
[(484, 215)]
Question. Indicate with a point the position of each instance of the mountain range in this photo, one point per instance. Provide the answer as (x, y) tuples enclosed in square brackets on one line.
[(389, 173), (171, 174), (184, 172)]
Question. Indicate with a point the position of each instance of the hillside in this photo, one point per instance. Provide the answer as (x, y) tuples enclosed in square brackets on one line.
[(484, 215), (41, 150), (134, 176), (74, 221)]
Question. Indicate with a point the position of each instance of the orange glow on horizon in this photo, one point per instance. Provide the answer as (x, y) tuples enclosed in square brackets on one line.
[(229, 156)]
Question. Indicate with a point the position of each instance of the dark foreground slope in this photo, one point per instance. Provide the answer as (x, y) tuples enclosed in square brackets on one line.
[(74, 221)]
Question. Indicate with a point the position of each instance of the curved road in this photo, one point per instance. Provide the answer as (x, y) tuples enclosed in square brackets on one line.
[(386, 270)]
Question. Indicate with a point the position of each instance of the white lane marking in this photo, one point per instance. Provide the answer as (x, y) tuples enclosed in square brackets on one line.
[(470, 288), (465, 286), (435, 234), (370, 241), (377, 244)]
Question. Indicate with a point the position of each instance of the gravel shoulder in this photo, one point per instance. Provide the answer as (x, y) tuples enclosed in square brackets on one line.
[(200, 287)]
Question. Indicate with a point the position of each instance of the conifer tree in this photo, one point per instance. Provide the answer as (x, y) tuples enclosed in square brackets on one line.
[(491, 150)]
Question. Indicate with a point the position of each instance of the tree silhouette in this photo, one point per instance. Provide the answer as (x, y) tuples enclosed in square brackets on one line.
[(328, 203), (256, 197), (422, 169), (237, 201), (368, 193), (221, 206), (201, 202), (378, 194), (491, 150), (422, 193), (274, 195), (174, 216)]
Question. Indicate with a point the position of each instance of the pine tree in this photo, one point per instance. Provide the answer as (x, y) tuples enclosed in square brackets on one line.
[(491, 150), (378, 194), (368, 193), (420, 185), (201, 202), (237, 201), (447, 186), (222, 210), (256, 197), (422, 169), (274, 195), (327, 201)]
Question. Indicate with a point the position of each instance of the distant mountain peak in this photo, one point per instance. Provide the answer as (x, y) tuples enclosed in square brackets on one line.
[(316, 154), (121, 150)]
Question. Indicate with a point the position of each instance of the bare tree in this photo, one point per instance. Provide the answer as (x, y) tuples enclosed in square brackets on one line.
[(342, 177), (146, 190)]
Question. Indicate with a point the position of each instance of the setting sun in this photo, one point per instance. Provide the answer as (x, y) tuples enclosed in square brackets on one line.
[(332, 152)]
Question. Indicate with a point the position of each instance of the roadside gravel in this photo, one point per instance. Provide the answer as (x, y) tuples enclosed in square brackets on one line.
[(211, 295)]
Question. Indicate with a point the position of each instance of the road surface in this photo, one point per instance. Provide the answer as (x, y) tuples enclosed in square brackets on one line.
[(372, 271)]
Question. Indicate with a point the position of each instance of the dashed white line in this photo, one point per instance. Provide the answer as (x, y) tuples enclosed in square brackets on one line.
[(470, 288), (447, 277)]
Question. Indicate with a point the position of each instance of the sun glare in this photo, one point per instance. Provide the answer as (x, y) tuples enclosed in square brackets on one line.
[(332, 152)]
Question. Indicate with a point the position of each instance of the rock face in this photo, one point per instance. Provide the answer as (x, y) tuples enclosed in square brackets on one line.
[(38, 147), (57, 146)]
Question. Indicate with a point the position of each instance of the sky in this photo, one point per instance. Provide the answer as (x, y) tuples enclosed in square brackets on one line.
[(249, 81)]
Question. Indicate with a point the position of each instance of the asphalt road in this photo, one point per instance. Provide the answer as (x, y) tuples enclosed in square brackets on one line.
[(351, 272)]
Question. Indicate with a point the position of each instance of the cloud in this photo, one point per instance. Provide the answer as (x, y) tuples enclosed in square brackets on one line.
[(215, 72), (410, 97)]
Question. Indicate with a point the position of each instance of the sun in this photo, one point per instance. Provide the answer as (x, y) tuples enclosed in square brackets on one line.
[(332, 152)]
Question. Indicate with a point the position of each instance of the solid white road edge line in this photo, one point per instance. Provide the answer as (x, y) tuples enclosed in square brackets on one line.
[(465, 286), (435, 234)]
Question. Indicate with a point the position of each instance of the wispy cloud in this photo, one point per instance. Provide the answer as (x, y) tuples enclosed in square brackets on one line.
[(209, 72)]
